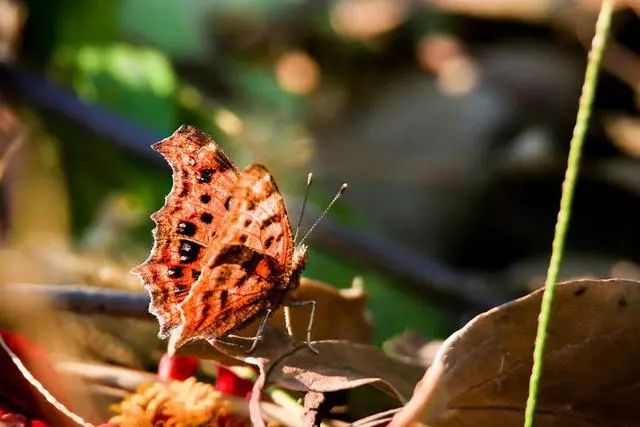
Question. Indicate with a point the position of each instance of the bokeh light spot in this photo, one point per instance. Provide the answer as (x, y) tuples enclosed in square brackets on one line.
[(297, 72), (228, 121)]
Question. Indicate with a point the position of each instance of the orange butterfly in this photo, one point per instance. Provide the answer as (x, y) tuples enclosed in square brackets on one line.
[(224, 251)]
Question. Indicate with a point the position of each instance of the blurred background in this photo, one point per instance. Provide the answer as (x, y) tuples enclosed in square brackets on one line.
[(449, 119)]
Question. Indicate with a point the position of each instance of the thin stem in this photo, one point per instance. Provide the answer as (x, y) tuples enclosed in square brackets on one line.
[(568, 186)]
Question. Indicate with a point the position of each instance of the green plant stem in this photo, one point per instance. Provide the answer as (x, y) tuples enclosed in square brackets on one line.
[(568, 186)]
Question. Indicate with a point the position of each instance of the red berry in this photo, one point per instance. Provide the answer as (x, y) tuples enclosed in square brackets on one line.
[(228, 382), (177, 367)]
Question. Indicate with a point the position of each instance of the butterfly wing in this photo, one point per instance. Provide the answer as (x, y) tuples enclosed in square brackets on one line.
[(250, 268), (203, 179)]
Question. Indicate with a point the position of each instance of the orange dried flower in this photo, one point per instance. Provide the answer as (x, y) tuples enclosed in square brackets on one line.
[(185, 403)]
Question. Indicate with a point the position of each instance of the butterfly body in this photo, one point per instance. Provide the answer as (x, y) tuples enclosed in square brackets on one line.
[(224, 253)]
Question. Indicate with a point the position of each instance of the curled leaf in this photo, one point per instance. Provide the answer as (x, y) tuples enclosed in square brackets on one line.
[(480, 375)]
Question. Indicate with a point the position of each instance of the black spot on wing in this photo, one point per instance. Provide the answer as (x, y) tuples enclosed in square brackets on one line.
[(235, 254), (269, 220), (250, 264), (223, 298), (186, 228), (188, 251), (205, 175), (205, 198), (225, 274), (175, 272), (206, 217)]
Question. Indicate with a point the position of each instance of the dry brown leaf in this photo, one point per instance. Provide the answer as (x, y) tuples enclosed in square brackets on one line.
[(342, 365), (411, 347), (339, 365), (591, 375)]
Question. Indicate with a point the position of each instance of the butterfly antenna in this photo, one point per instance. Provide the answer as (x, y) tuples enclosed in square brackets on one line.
[(340, 192), (304, 205)]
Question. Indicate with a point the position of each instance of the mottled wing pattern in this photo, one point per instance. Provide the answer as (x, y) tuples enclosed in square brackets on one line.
[(251, 263), (203, 180)]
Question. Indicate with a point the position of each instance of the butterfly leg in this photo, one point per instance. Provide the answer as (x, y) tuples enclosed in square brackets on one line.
[(311, 304), (229, 343), (287, 321), (254, 340)]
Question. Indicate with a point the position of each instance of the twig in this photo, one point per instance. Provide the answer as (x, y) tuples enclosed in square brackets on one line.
[(46, 95), (573, 165), (83, 299)]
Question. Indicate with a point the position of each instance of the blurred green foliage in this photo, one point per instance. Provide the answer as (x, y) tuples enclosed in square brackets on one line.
[(137, 82), (137, 58)]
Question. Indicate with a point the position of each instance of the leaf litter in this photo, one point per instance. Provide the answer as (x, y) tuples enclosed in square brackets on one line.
[(339, 365)]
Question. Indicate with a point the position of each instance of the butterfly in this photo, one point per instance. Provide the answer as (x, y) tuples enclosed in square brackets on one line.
[(224, 251)]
